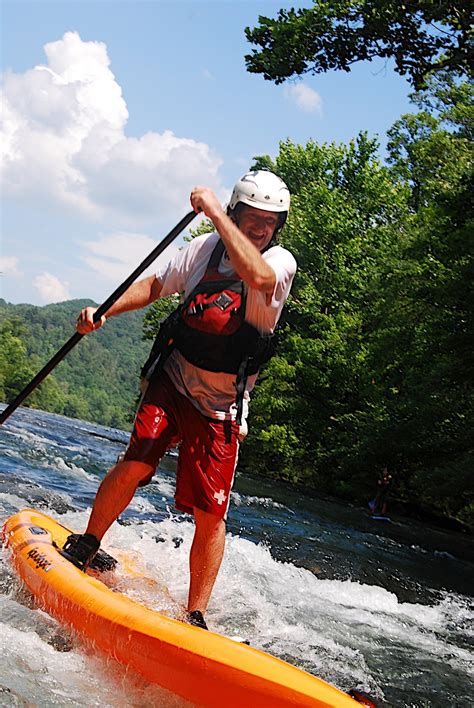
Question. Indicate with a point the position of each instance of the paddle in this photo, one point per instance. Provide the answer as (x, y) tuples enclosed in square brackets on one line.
[(101, 310)]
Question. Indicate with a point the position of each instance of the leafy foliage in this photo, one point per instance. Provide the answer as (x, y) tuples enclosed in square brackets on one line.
[(375, 364), (97, 381), (421, 37)]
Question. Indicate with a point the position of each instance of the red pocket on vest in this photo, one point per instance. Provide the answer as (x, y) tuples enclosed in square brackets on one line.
[(218, 312)]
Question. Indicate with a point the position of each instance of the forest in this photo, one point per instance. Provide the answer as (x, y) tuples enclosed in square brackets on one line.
[(374, 365), (97, 381)]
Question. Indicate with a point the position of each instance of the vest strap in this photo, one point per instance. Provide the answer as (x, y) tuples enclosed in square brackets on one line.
[(240, 353)]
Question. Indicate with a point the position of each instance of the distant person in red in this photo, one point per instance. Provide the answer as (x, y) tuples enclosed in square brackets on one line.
[(378, 506)]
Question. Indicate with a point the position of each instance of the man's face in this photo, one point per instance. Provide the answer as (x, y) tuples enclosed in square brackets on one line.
[(258, 225)]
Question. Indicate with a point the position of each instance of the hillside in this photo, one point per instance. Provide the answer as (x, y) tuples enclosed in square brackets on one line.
[(97, 381)]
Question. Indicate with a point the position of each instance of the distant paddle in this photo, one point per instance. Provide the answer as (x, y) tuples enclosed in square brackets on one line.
[(380, 518), (101, 310)]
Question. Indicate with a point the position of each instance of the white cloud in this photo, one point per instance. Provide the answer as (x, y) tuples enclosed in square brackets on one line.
[(50, 288), (306, 98), (9, 266), (116, 255), (63, 139)]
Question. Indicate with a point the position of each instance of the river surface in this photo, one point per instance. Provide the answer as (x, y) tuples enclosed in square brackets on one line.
[(384, 608)]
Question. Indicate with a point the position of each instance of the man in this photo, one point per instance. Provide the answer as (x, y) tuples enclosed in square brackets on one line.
[(202, 369), (379, 505)]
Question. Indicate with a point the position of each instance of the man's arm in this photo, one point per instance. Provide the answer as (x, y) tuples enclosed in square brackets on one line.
[(138, 295), (244, 256)]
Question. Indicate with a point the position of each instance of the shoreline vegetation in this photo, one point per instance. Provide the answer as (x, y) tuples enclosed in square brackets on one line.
[(375, 364), (19, 318), (410, 524)]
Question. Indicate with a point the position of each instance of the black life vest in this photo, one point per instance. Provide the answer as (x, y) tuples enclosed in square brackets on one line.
[(210, 331)]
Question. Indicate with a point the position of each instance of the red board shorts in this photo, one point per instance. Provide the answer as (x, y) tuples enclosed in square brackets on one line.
[(208, 451)]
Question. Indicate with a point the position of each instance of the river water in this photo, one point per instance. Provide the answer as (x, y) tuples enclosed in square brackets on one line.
[(385, 608)]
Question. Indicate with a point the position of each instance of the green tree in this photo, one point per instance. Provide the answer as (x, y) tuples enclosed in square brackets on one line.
[(421, 37), (432, 149), (98, 380), (375, 362), (17, 370), (340, 229), (204, 227), (77, 406), (421, 337)]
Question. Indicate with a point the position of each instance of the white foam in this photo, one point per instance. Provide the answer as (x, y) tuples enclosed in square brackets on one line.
[(266, 502), (164, 487), (140, 503), (325, 626), (13, 500), (33, 668), (61, 465), (28, 437)]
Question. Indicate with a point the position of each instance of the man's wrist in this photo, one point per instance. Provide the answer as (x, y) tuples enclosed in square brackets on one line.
[(217, 215)]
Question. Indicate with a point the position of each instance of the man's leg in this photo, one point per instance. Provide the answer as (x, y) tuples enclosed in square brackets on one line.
[(205, 558), (115, 494), (153, 433)]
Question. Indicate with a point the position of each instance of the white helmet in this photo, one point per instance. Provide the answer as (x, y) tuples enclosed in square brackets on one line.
[(263, 190)]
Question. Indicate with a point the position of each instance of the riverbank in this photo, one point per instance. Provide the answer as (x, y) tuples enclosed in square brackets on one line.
[(409, 525), (413, 530)]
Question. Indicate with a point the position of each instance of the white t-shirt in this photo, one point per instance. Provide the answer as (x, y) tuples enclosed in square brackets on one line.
[(214, 393)]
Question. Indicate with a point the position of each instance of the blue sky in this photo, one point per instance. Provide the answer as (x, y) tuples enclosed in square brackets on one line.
[(113, 111)]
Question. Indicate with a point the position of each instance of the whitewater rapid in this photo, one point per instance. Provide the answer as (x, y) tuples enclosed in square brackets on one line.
[(350, 633)]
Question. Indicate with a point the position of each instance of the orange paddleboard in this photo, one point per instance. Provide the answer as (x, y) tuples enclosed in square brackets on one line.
[(201, 666)]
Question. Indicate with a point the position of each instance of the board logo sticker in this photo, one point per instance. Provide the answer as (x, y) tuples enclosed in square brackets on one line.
[(37, 530), (39, 559)]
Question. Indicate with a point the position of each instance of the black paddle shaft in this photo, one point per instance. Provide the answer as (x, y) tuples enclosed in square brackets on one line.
[(101, 310)]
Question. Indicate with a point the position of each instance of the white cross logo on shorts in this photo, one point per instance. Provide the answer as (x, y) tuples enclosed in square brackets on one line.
[(221, 497)]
